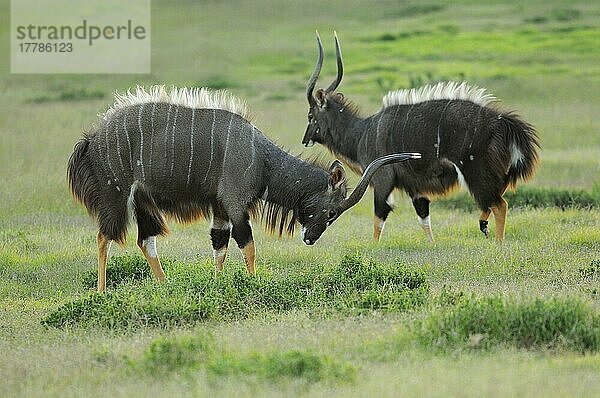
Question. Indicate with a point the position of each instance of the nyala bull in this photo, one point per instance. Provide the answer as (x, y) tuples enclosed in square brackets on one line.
[(463, 137), (192, 153)]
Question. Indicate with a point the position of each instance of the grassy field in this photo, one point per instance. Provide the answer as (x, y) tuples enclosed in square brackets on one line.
[(346, 317)]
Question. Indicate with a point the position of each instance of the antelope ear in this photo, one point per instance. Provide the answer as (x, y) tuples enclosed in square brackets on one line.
[(321, 97), (337, 175)]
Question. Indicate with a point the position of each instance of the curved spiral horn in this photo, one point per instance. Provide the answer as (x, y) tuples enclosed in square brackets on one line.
[(340, 66), (371, 169), (315, 75)]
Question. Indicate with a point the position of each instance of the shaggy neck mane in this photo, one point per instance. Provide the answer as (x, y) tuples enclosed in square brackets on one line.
[(193, 97), (439, 91), (349, 107), (287, 187)]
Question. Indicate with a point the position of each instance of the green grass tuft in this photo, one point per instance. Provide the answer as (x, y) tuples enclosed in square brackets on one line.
[(495, 321), (194, 293), (119, 270), (192, 353)]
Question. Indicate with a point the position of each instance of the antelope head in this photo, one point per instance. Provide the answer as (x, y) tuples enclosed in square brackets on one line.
[(323, 112), (319, 210)]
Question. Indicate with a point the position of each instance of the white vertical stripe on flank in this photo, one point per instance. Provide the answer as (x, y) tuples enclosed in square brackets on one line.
[(173, 139), (227, 144), (119, 152), (404, 127), (437, 146), (141, 141), (108, 153), (191, 148), (253, 149), (152, 133), (212, 145), (128, 141)]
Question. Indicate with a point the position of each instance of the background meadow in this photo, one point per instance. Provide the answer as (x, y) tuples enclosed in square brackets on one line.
[(346, 317)]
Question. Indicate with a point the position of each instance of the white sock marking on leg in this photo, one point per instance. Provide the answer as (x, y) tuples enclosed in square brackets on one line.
[(150, 245)]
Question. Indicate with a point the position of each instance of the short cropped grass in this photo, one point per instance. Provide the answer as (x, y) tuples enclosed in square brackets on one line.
[(195, 293), (535, 197)]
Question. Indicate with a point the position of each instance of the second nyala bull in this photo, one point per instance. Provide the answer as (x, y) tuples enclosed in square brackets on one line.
[(192, 153), (465, 139)]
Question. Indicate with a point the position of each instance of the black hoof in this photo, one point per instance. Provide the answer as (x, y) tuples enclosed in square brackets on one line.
[(483, 227)]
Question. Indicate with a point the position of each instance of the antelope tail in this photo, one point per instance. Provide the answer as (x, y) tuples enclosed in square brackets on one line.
[(523, 143), (81, 178)]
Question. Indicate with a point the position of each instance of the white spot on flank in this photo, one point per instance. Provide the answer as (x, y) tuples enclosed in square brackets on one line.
[(311, 216), (471, 157), (150, 245)]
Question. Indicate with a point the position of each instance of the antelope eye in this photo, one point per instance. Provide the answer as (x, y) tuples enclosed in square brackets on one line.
[(332, 214)]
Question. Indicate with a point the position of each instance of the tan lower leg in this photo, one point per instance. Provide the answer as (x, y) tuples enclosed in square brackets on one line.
[(378, 225), (102, 258), (249, 252), (426, 225), (148, 247), (500, 211), (219, 257)]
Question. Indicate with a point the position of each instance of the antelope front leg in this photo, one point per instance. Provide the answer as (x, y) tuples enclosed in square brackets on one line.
[(483, 222), (219, 234), (500, 211), (421, 205), (103, 246), (242, 234), (382, 210)]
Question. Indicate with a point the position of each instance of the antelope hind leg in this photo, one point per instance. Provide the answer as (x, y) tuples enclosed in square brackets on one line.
[(500, 211), (148, 248), (249, 252), (103, 246)]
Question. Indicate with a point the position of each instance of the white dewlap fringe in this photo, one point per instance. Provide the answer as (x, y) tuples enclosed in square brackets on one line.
[(439, 91), (191, 97)]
